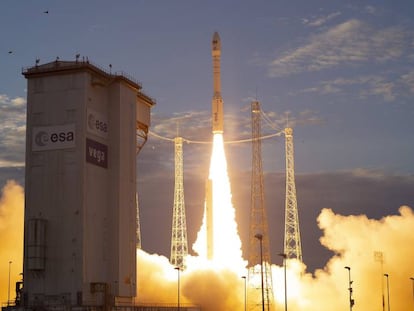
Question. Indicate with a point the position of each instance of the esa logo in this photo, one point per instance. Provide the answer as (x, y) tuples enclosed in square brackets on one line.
[(53, 137), (97, 123), (43, 138)]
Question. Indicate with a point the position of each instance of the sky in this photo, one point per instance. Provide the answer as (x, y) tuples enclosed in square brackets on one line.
[(339, 72)]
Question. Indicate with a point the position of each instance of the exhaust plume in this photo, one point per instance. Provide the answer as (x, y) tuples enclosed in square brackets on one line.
[(11, 241), (355, 240)]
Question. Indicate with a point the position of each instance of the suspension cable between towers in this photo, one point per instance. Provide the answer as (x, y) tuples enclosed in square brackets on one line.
[(190, 141)]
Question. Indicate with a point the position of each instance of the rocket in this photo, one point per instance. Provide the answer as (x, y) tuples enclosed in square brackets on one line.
[(217, 101)]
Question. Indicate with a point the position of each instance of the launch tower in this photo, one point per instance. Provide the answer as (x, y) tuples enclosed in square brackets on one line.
[(84, 128), (179, 244), (260, 277), (293, 247)]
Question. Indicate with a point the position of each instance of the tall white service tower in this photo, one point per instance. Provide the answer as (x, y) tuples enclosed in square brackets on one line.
[(80, 186)]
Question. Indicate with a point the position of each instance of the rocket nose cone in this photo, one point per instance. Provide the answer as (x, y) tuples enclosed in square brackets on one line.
[(216, 36), (216, 45)]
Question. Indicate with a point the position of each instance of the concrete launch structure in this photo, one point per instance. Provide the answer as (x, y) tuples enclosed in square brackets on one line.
[(217, 102), (80, 186)]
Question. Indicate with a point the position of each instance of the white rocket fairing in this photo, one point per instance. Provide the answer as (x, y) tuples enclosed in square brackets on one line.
[(217, 127), (217, 102)]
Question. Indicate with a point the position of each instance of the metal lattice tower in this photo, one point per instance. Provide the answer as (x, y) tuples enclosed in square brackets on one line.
[(293, 248), (260, 277), (179, 246)]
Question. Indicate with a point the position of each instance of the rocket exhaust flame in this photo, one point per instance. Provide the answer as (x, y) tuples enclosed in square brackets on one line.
[(218, 239), (219, 223)]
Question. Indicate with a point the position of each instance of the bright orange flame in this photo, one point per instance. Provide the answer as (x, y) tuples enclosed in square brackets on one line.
[(226, 243), (11, 233)]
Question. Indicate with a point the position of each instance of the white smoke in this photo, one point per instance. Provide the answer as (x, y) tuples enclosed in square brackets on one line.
[(353, 239)]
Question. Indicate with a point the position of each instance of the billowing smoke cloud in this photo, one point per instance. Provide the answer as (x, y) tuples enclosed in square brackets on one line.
[(357, 241), (371, 248), (11, 238), (202, 284)]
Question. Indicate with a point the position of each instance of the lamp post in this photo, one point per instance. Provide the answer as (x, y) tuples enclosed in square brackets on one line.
[(8, 290), (388, 290), (260, 238), (245, 293), (379, 256), (351, 301), (412, 279), (284, 268), (178, 286)]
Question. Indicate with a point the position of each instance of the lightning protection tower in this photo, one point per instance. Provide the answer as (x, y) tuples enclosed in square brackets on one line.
[(80, 186), (259, 273), (179, 247), (293, 248)]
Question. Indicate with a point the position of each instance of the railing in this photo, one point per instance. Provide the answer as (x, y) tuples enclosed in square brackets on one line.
[(83, 62)]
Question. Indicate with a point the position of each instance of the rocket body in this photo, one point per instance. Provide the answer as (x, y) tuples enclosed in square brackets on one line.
[(217, 101)]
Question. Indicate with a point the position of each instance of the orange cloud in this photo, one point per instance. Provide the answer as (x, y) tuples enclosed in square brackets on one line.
[(11, 241)]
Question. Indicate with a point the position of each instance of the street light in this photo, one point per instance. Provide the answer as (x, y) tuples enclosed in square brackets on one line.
[(178, 286), (351, 301), (245, 292), (379, 256), (260, 238), (8, 291), (388, 290), (284, 267)]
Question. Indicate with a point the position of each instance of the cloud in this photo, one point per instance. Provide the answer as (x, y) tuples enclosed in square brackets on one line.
[(354, 241), (381, 89), (387, 86), (371, 10), (408, 80), (11, 173), (13, 133), (321, 20), (352, 42), (351, 235), (11, 232)]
